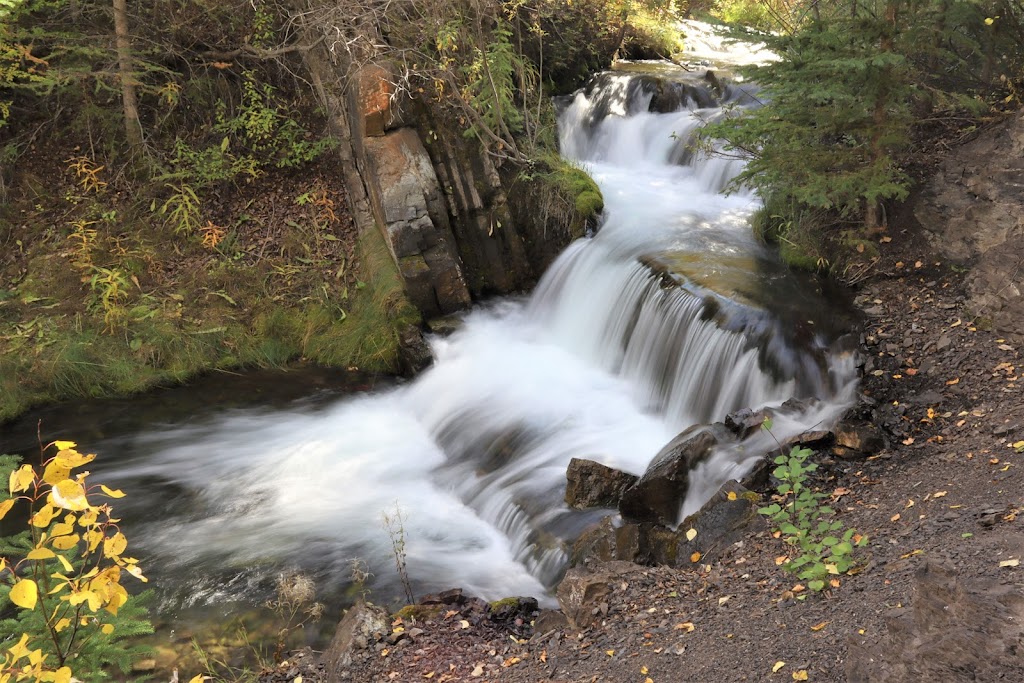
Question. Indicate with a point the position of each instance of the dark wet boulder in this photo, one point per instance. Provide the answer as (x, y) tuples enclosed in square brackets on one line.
[(729, 516), (864, 437), (746, 422), (590, 484), (658, 495), (604, 542)]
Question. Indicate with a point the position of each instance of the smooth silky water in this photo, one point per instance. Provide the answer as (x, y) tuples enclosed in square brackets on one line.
[(609, 359)]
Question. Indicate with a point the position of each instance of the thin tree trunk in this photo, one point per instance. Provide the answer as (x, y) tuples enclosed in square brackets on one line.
[(132, 125), (880, 115)]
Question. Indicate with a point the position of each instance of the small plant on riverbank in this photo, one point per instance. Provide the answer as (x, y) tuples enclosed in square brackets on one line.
[(63, 574), (806, 523), (395, 525)]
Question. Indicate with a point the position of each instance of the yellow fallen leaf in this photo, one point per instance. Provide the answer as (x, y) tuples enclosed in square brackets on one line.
[(731, 495), (818, 627), (781, 560), (643, 670), (610, 653), (801, 675), (1009, 563), (939, 494), (955, 380), (777, 666), (695, 557), (895, 518), (685, 626), (691, 534)]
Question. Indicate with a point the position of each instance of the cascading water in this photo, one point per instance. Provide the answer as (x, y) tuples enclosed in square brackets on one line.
[(611, 357)]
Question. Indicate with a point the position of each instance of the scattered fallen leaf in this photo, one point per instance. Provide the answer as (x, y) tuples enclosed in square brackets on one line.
[(463, 624), (429, 675), (511, 661), (610, 653), (801, 675), (885, 240), (685, 626), (781, 560), (818, 627), (384, 652), (835, 583), (643, 670), (691, 534), (939, 494), (895, 518), (478, 671), (910, 503), (907, 441), (1009, 563), (955, 380), (899, 264), (917, 264), (911, 371), (777, 666), (799, 588), (724, 599), (544, 656), (958, 323), (731, 495), (695, 557)]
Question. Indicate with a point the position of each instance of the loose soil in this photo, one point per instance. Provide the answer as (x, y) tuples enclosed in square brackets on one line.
[(948, 488)]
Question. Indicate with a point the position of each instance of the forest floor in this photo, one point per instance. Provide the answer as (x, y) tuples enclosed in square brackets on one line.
[(940, 506)]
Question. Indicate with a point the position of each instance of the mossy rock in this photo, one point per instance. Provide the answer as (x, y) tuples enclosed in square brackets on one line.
[(411, 613)]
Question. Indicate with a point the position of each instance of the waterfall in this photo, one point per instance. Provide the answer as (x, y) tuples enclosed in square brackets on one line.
[(629, 338)]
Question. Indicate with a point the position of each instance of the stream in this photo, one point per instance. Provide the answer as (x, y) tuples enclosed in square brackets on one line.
[(672, 314)]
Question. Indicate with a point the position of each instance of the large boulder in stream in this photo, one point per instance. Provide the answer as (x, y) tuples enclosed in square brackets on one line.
[(659, 494), (590, 484)]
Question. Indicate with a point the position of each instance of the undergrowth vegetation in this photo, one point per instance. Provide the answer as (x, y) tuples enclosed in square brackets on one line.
[(176, 211), (65, 609)]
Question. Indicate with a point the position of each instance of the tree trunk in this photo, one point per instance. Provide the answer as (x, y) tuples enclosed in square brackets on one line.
[(880, 115), (132, 125)]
